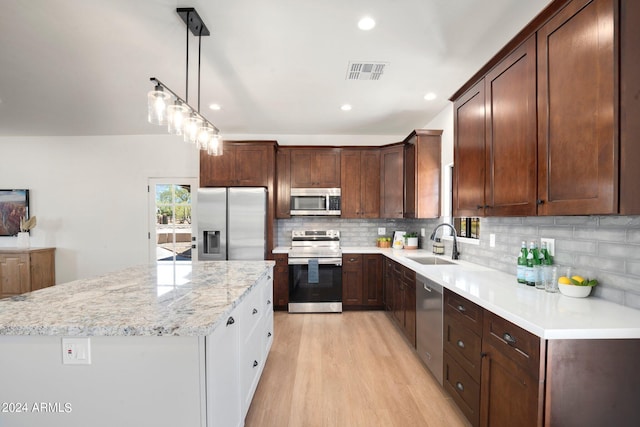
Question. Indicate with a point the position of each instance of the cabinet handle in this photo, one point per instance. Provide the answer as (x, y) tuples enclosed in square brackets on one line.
[(461, 308), (539, 202), (268, 334), (427, 288), (230, 321), (255, 311), (509, 339), (460, 386), (255, 363), (479, 206), (352, 259), (460, 343)]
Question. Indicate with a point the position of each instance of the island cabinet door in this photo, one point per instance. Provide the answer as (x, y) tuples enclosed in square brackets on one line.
[(223, 387)]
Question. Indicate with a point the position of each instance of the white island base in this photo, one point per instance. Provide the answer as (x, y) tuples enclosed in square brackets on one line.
[(204, 378)]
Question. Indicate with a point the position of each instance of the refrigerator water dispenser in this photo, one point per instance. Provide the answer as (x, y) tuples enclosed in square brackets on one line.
[(211, 241)]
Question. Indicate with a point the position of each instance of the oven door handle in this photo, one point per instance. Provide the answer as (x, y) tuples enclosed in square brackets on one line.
[(321, 261)]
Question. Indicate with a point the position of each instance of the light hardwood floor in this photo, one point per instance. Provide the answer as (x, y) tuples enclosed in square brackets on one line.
[(351, 369)]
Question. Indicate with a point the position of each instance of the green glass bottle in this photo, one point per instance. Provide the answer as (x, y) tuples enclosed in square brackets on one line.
[(522, 263), (530, 274), (548, 259)]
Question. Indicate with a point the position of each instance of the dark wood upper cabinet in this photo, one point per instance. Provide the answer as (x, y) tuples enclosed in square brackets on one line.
[(242, 164), (317, 167), (511, 134), (422, 171), (584, 88), (578, 167), (360, 176), (495, 140), (469, 152), (391, 181), (283, 183)]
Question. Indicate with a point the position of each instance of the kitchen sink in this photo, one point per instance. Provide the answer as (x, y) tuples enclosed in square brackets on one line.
[(430, 260)]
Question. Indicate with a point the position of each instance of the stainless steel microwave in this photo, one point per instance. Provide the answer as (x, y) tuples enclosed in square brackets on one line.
[(315, 201)]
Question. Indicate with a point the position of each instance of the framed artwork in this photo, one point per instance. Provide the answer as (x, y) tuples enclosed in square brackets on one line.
[(14, 204)]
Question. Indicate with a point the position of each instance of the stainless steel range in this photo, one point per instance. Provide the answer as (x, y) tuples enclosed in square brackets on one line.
[(315, 272)]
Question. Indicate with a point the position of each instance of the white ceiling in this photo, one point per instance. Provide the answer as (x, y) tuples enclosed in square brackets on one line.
[(82, 67)]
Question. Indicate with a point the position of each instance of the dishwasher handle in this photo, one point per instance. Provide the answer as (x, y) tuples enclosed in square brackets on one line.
[(429, 285)]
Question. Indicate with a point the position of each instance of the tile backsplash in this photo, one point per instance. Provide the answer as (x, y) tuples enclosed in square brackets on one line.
[(606, 248)]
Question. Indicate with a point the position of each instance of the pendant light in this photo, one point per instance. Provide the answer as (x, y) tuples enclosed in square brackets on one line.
[(166, 108)]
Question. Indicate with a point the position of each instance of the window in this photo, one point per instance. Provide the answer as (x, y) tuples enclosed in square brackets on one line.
[(172, 218)]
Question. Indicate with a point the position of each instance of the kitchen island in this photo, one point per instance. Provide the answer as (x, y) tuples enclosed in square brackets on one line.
[(163, 345)]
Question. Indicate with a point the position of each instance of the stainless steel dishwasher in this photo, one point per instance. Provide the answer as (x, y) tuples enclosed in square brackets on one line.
[(429, 324)]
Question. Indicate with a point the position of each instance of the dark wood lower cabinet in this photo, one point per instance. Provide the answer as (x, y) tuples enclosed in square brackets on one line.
[(510, 396), (501, 375), (362, 282), (400, 297), (464, 390), (281, 282)]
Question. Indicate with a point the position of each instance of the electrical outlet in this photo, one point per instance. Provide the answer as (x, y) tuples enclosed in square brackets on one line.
[(382, 231), (492, 240), (423, 233), (551, 245), (76, 351)]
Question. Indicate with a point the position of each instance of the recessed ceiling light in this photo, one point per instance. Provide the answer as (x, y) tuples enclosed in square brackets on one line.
[(346, 107), (430, 96), (215, 107), (366, 23)]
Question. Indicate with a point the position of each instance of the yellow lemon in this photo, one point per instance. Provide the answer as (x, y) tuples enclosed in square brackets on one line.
[(564, 280), (578, 279)]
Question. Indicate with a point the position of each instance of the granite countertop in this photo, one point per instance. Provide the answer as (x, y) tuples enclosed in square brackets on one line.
[(547, 315), (186, 299)]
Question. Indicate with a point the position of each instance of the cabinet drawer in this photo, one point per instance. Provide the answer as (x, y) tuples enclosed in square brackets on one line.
[(251, 311), (268, 335), (251, 361), (520, 346), (351, 261), (464, 311), (464, 345), (463, 389), (267, 296)]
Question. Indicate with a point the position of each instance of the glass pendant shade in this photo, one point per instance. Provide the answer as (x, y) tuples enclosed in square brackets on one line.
[(191, 127), (215, 145), (205, 135), (157, 106), (176, 114)]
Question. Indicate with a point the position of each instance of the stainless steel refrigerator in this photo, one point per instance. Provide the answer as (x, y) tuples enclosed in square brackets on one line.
[(232, 223)]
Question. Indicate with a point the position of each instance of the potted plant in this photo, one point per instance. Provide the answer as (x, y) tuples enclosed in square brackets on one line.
[(411, 240)]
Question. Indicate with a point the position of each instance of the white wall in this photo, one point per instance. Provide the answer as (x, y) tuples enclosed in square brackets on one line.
[(90, 194)]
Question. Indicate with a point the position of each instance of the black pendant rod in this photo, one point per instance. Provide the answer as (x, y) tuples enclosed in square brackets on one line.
[(186, 84), (199, 50)]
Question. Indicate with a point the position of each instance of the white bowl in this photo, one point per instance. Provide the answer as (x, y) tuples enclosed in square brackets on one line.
[(574, 291)]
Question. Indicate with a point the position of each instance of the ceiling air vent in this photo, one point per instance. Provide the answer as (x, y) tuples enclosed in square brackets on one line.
[(366, 70)]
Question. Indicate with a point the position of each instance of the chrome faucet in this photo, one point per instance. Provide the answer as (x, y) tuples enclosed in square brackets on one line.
[(454, 252)]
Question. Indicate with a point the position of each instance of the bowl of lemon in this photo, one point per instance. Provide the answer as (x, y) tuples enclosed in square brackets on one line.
[(576, 286)]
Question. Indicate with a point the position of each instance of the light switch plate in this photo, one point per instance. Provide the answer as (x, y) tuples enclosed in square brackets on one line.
[(551, 245), (382, 231), (76, 351), (492, 240)]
